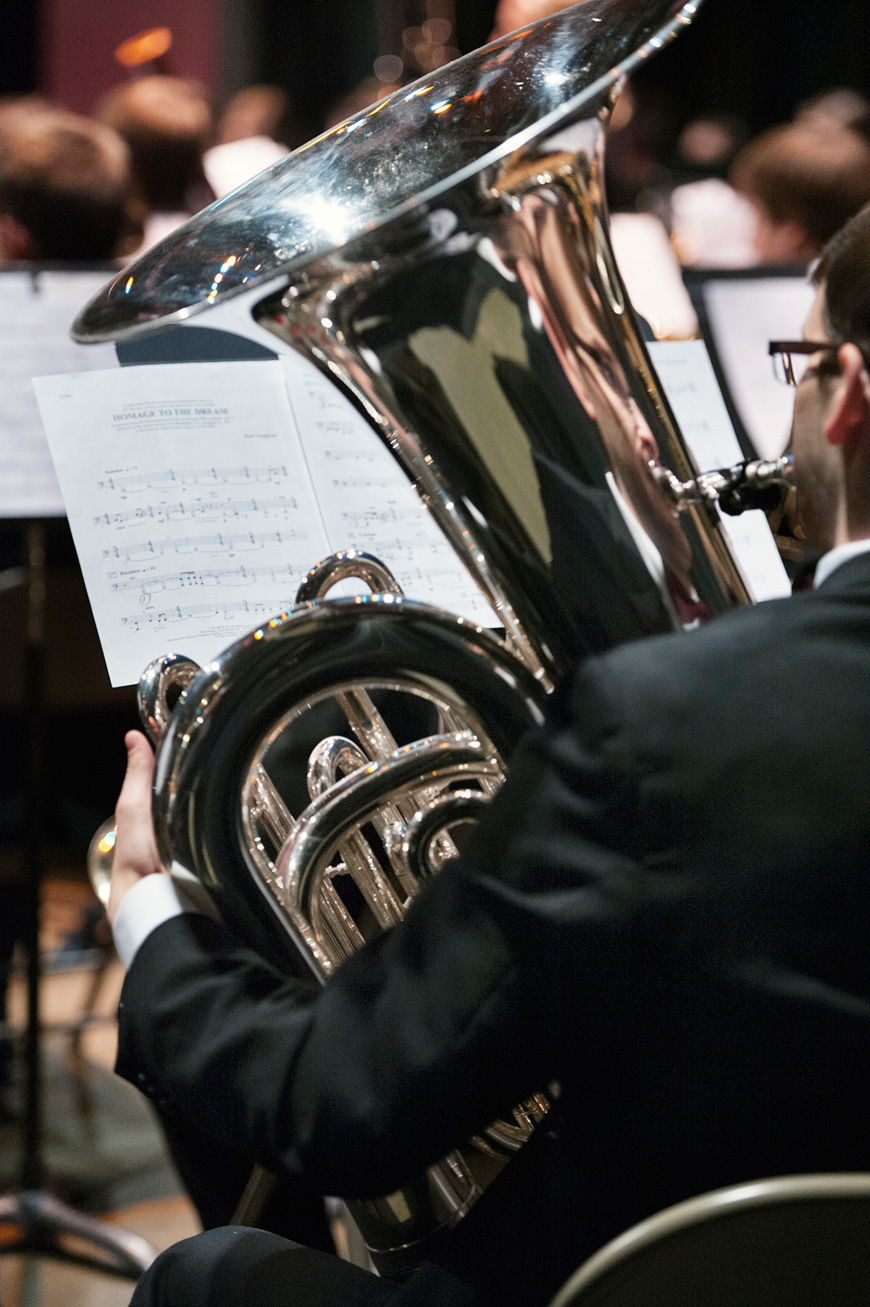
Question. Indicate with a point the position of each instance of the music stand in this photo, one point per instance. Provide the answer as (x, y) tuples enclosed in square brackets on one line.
[(42, 1225), (42, 1220), (773, 300)]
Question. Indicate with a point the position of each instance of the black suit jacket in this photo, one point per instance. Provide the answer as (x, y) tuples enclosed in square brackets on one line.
[(666, 908)]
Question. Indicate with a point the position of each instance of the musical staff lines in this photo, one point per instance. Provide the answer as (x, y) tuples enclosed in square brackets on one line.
[(366, 483), (170, 478), (220, 543), (200, 614), (368, 501), (197, 579), (190, 534), (348, 455), (361, 519), (202, 510)]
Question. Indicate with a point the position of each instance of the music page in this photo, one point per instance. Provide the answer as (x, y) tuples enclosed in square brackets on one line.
[(367, 502), (36, 310), (687, 377), (190, 508), (199, 495)]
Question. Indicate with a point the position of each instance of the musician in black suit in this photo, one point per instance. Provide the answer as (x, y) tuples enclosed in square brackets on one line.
[(666, 909)]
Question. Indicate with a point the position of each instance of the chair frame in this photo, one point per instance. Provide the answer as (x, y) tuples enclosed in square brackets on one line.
[(706, 1207)]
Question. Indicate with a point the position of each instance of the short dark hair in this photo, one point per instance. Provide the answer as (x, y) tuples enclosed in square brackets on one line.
[(67, 181), (844, 271), (167, 122), (805, 174)]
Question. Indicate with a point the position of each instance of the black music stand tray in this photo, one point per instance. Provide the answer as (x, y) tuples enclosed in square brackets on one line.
[(47, 1227)]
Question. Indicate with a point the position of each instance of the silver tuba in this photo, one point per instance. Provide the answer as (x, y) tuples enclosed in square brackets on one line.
[(443, 257)]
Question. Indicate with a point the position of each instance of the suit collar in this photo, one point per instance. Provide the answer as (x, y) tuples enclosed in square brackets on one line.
[(850, 571), (835, 558)]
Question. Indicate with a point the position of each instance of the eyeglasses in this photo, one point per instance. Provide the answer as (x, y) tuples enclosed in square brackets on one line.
[(790, 358)]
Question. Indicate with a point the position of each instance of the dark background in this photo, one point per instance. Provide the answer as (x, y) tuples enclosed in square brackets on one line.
[(755, 58)]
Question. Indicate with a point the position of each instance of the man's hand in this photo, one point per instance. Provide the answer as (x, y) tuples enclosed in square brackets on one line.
[(135, 852)]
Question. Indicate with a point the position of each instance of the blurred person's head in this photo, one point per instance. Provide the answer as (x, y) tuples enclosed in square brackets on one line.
[(65, 187), (838, 108), (510, 15), (167, 123), (260, 111), (707, 145), (805, 182), (16, 106), (366, 92)]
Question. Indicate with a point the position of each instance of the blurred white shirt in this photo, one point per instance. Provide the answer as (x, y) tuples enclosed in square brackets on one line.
[(713, 226), (228, 166)]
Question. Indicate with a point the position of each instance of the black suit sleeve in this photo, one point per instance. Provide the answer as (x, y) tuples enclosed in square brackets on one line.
[(549, 929), (331, 1083)]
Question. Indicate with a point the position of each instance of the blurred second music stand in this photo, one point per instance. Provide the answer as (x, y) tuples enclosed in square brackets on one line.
[(40, 302), (33, 1222)]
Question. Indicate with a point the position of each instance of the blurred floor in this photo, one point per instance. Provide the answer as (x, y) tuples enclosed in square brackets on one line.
[(103, 1150)]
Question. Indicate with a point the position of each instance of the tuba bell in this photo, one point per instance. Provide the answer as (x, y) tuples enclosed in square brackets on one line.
[(443, 258)]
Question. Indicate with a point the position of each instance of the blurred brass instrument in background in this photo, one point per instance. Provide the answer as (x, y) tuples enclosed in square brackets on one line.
[(443, 257)]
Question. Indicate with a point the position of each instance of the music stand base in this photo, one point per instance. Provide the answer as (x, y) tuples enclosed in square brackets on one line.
[(49, 1228)]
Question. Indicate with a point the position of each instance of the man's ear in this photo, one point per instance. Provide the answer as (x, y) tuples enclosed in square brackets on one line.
[(850, 412)]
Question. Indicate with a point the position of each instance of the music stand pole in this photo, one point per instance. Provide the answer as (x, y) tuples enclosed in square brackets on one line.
[(42, 1222)]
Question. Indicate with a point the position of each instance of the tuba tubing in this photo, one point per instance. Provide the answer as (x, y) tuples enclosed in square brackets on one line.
[(381, 642)]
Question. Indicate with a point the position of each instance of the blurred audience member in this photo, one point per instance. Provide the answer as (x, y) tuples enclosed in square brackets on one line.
[(706, 146), (513, 14), (262, 111), (838, 108), (168, 124), (258, 127), (65, 190), (805, 182), (712, 226), (366, 92), (14, 106), (65, 187), (637, 180)]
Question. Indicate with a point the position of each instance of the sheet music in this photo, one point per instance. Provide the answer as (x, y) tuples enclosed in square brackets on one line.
[(36, 311), (687, 377), (197, 508), (368, 503), (190, 508), (744, 316)]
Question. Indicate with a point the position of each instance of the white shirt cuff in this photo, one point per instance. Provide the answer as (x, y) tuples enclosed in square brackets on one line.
[(152, 901)]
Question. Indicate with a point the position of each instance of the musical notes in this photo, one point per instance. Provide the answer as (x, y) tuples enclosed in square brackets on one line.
[(165, 618), (186, 541), (217, 510), (206, 578), (367, 502), (347, 455), (359, 520), (221, 543), (165, 510), (363, 483), (172, 478)]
